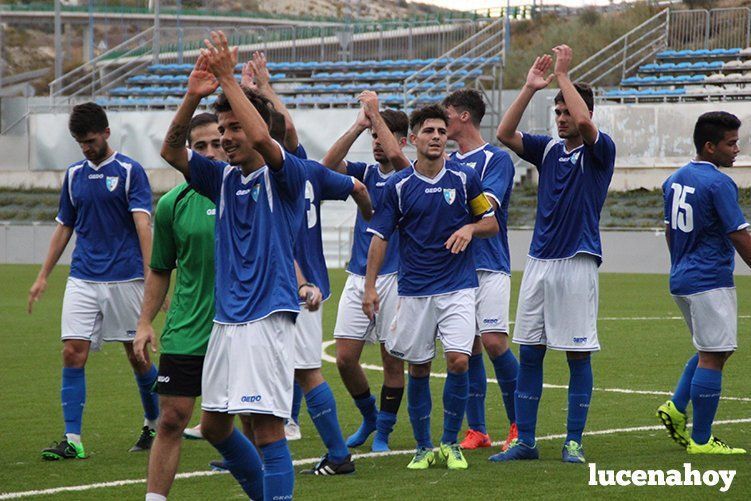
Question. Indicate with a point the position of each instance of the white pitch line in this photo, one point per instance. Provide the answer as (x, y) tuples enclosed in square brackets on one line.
[(307, 461), (328, 358)]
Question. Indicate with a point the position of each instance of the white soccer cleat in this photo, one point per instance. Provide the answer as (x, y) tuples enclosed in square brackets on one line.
[(193, 433), (292, 430)]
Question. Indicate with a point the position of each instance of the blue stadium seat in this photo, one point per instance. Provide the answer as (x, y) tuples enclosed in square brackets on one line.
[(667, 53)]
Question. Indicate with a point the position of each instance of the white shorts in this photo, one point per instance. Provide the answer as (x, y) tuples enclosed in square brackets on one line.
[(249, 368), (712, 318), (420, 320), (558, 303), (492, 300), (309, 339), (351, 322), (101, 311)]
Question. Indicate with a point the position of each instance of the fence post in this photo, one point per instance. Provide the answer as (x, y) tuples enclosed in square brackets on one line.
[(323, 50), (623, 59), (294, 43), (748, 27), (667, 28), (155, 40), (706, 29), (410, 47)]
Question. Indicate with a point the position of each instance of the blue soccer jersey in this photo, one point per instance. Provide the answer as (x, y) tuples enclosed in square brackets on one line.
[(98, 201), (570, 195), (320, 184), (427, 212), (258, 218), (701, 208), (300, 152), (375, 180), (496, 172)]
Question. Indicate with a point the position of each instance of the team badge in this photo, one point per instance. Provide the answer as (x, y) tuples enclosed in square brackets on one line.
[(112, 182), (449, 195), (575, 157), (255, 191)]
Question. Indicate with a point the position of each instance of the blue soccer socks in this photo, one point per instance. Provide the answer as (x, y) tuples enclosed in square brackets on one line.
[(419, 405), (322, 410), (682, 393), (367, 407), (528, 392), (278, 472), (455, 394), (506, 370), (706, 387), (73, 398), (579, 395), (478, 387), (242, 460), (149, 399)]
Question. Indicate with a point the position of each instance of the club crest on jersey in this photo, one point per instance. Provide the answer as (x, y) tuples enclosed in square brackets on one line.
[(112, 182), (449, 195), (575, 157), (255, 191)]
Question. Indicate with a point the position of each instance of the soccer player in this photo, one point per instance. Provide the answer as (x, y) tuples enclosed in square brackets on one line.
[(438, 207), (106, 199), (248, 367), (558, 299), (353, 328), (703, 225), (465, 109)]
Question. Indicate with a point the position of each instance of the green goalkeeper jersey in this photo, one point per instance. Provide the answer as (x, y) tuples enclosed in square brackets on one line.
[(184, 239)]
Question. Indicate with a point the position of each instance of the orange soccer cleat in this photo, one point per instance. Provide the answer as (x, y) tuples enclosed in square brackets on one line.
[(513, 434), (475, 440)]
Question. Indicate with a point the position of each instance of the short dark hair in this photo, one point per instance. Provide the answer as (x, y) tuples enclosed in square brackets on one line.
[(712, 126), (199, 121), (469, 100), (584, 90), (418, 116), (397, 122), (260, 103), (86, 118)]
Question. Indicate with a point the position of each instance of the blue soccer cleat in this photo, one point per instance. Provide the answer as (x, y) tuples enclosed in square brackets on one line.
[(380, 443), (361, 435), (573, 452), (516, 452)]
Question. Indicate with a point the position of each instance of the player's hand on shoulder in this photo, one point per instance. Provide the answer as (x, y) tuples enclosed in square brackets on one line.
[(201, 81), (36, 291), (220, 57), (312, 296), (370, 302), (459, 241), (539, 76), (144, 336)]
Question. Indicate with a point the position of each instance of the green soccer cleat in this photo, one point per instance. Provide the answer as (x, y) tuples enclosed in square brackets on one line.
[(63, 450), (424, 459), (144, 440), (573, 452), (713, 446), (675, 422), (452, 454)]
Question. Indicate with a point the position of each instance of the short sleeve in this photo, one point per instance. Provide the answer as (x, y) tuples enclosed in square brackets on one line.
[(602, 151), (384, 220), (725, 200), (334, 186), (478, 203), (300, 152), (206, 175), (497, 176), (666, 203), (66, 214), (290, 179), (164, 249), (357, 170), (139, 191), (534, 148)]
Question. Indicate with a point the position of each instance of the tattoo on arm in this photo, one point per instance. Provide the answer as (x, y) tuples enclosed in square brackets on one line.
[(177, 136)]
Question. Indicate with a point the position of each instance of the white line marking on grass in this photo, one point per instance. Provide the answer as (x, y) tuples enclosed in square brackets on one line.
[(307, 461), (328, 358)]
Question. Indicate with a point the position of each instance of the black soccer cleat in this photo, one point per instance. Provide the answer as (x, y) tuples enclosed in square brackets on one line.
[(63, 450), (145, 440), (327, 467)]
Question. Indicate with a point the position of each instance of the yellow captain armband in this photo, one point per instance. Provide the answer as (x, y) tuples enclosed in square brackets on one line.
[(479, 205)]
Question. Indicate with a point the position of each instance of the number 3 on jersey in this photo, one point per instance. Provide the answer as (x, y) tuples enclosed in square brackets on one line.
[(310, 210), (682, 214)]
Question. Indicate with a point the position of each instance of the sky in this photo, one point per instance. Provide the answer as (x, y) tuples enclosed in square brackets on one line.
[(484, 4)]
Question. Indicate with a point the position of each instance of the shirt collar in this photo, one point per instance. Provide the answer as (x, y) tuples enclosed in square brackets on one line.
[(104, 162)]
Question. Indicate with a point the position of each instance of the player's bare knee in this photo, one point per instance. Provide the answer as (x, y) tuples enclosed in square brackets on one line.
[(577, 355), (477, 346), (172, 421), (267, 429), (308, 378), (74, 355), (458, 363), (496, 343), (345, 360), (421, 370)]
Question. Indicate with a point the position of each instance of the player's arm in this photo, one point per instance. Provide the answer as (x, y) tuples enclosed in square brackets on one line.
[(667, 235), (58, 243), (485, 227), (577, 108), (376, 256), (507, 132), (390, 145), (257, 66), (742, 242), (306, 291), (334, 158), (362, 199), (154, 294), (201, 83), (142, 221)]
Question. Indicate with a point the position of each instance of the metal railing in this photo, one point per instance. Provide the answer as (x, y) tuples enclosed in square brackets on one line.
[(709, 29)]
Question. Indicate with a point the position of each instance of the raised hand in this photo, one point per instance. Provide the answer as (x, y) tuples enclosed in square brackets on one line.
[(221, 59), (248, 77), (369, 101), (538, 76), (262, 75), (563, 57), (201, 82), (362, 119)]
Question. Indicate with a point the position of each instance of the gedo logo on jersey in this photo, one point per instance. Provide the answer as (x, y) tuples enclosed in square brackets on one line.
[(249, 399)]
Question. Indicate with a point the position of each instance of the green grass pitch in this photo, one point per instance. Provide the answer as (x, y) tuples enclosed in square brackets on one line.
[(644, 342)]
